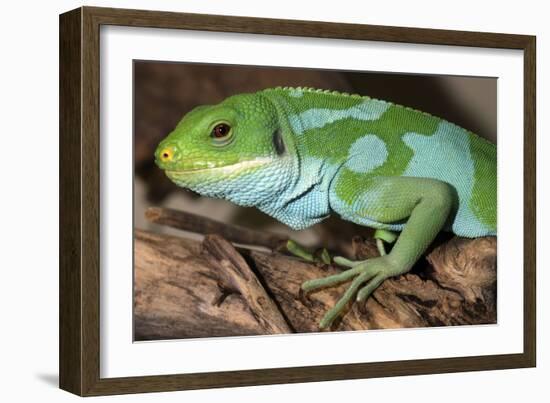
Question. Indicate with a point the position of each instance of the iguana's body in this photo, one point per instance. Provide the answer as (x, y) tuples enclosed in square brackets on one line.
[(301, 154)]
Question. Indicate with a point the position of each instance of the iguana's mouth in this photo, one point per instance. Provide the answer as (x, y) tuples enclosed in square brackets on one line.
[(225, 169)]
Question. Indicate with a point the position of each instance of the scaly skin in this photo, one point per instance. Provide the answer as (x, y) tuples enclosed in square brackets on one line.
[(301, 154)]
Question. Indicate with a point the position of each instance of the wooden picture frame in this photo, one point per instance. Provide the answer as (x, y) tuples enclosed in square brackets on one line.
[(80, 200)]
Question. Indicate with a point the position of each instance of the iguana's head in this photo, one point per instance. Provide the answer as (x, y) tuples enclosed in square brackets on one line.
[(234, 150)]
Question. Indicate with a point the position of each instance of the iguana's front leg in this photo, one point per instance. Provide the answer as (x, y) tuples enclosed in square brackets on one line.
[(425, 202)]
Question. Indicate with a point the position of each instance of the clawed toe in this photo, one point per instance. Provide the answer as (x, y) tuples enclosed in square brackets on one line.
[(342, 261), (362, 307), (367, 276), (303, 296)]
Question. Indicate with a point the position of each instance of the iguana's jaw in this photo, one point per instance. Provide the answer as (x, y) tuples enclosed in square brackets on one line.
[(220, 172)]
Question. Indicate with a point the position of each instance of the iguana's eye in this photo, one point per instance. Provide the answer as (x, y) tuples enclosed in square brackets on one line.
[(220, 130), (221, 134)]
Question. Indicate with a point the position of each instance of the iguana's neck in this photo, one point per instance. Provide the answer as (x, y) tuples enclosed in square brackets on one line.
[(305, 201)]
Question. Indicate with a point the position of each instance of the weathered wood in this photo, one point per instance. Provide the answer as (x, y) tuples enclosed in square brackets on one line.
[(454, 285), (204, 225), (237, 277), (178, 289), (284, 276), (186, 290), (459, 288)]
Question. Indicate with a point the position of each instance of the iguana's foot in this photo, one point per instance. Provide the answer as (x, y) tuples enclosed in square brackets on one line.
[(321, 256), (367, 276)]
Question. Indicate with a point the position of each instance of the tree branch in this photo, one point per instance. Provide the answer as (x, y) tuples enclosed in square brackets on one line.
[(187, 289), (203, 225)]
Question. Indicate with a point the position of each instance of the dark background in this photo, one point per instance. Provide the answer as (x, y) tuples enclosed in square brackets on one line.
[(164, 92)]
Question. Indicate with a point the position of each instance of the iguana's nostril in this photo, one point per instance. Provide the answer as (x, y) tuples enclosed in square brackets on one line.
[(167, 154)]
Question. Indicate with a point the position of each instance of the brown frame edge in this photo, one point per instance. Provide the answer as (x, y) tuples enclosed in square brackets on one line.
[(79, 201)]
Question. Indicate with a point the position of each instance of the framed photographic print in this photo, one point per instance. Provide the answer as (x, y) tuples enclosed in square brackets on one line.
[(250, 201)]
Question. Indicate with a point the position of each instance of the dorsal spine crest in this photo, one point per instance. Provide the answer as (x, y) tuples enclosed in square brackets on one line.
[(355, 95)]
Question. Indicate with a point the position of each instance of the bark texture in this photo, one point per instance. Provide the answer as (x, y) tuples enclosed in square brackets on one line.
[(187, 289)]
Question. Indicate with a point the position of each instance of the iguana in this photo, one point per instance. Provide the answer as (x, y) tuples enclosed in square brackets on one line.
[(301, 154)]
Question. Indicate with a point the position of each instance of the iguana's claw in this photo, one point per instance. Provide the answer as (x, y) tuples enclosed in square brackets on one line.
[(372, 272), (303, 297), (362, 308)]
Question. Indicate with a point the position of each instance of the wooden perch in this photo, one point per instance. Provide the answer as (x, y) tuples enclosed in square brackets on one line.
[(204, 225), (237, 277), (187, 289), (179, 292)]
